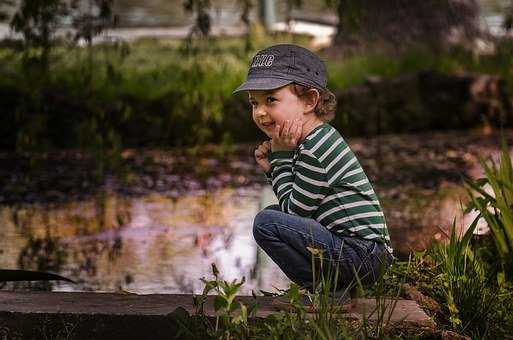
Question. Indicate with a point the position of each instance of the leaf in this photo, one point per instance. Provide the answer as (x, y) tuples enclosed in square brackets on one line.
[(220, 303), (478, 188), (28, 275), (209, 285), (468, 234), (183, 319), (243, 312), (253, 309), (293, 292)]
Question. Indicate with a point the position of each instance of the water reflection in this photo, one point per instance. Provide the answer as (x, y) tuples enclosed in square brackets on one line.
[(144, 245), (161, 244)]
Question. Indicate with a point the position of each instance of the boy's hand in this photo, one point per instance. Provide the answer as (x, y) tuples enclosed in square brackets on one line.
[(287, 136), (261, 153)]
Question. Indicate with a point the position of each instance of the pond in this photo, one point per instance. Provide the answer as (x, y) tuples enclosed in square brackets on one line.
[(160, 231), (147, 244)]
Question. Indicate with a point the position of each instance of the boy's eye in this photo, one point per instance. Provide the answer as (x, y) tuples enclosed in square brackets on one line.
[(270, 99)]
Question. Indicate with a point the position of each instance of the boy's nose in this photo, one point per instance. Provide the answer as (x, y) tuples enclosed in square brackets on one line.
[(260, 112)]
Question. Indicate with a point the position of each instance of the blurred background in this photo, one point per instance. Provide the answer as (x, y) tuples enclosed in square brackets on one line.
[(127, 164)]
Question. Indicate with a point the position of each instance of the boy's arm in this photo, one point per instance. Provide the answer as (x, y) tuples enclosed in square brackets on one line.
[(280, 175), (269, 177), (299, 193)]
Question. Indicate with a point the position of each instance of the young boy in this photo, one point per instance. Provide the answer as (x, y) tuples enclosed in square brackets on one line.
[(325, 199)]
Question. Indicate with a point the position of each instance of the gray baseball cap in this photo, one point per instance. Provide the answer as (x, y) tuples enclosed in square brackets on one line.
[(283, 64)]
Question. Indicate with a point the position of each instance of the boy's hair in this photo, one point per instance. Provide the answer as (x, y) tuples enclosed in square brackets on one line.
[(326, 106)]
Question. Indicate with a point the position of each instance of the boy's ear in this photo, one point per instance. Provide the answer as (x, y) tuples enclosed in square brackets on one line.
[(311, 99)]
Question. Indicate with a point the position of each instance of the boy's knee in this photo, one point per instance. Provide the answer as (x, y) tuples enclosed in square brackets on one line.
[(262, 223), (273, 207)]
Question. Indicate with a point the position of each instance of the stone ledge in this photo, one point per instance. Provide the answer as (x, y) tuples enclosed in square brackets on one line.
[(131, 316)]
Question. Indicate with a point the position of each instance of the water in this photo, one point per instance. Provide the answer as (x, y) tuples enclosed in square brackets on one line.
[(146, 245)]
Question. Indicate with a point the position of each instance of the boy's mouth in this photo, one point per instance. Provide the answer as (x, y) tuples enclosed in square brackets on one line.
[(268, 124)]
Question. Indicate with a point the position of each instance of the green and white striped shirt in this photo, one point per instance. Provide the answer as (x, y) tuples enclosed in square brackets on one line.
[(323, 180)]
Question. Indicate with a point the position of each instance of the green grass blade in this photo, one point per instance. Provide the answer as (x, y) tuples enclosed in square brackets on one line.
[(28, 275)]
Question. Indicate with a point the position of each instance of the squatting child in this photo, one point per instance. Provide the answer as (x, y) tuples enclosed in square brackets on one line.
[(325, 199)]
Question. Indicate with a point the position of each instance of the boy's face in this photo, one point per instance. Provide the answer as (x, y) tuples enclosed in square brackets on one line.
[(273, 107)]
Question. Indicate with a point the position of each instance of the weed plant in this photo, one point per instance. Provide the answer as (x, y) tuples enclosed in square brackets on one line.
[(496, 208), (321, 320), (466, 289)]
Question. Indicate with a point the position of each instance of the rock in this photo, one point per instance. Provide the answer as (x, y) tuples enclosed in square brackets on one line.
[(425, 100), (131, 316)]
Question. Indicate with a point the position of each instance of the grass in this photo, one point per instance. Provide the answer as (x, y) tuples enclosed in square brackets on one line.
[(234, 320), (356, 69), (496, 207), (148, 92), (150, 61)]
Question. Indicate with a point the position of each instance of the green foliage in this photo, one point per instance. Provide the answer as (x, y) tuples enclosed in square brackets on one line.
[(466, 288), (231, 316), (150, 94), (35, 115), (227, 324), (37, 20), (350, 13), (472, 300), (471, 280), (356, 69), (321, 320), (497, 208), (200, 9), (87, 24), (144, 102)]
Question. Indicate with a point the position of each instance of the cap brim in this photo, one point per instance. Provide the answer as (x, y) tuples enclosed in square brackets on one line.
[(262, 84)]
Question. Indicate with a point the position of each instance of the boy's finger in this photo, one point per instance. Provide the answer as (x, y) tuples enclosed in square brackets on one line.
[(297, 129), (290, 127), (277, 131), (283, 127)]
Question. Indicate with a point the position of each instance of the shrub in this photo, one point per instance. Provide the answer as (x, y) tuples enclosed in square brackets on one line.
[(497, 208)]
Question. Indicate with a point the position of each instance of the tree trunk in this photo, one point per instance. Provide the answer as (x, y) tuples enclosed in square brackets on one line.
[(399, 24)]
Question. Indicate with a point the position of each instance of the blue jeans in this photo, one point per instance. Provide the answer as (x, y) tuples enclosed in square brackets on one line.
[(285, 239)]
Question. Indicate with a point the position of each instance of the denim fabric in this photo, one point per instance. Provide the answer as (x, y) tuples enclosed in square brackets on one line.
[(285, 239)]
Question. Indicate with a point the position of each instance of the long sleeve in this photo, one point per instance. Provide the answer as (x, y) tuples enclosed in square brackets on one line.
[(269, 177), (300, 188)]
